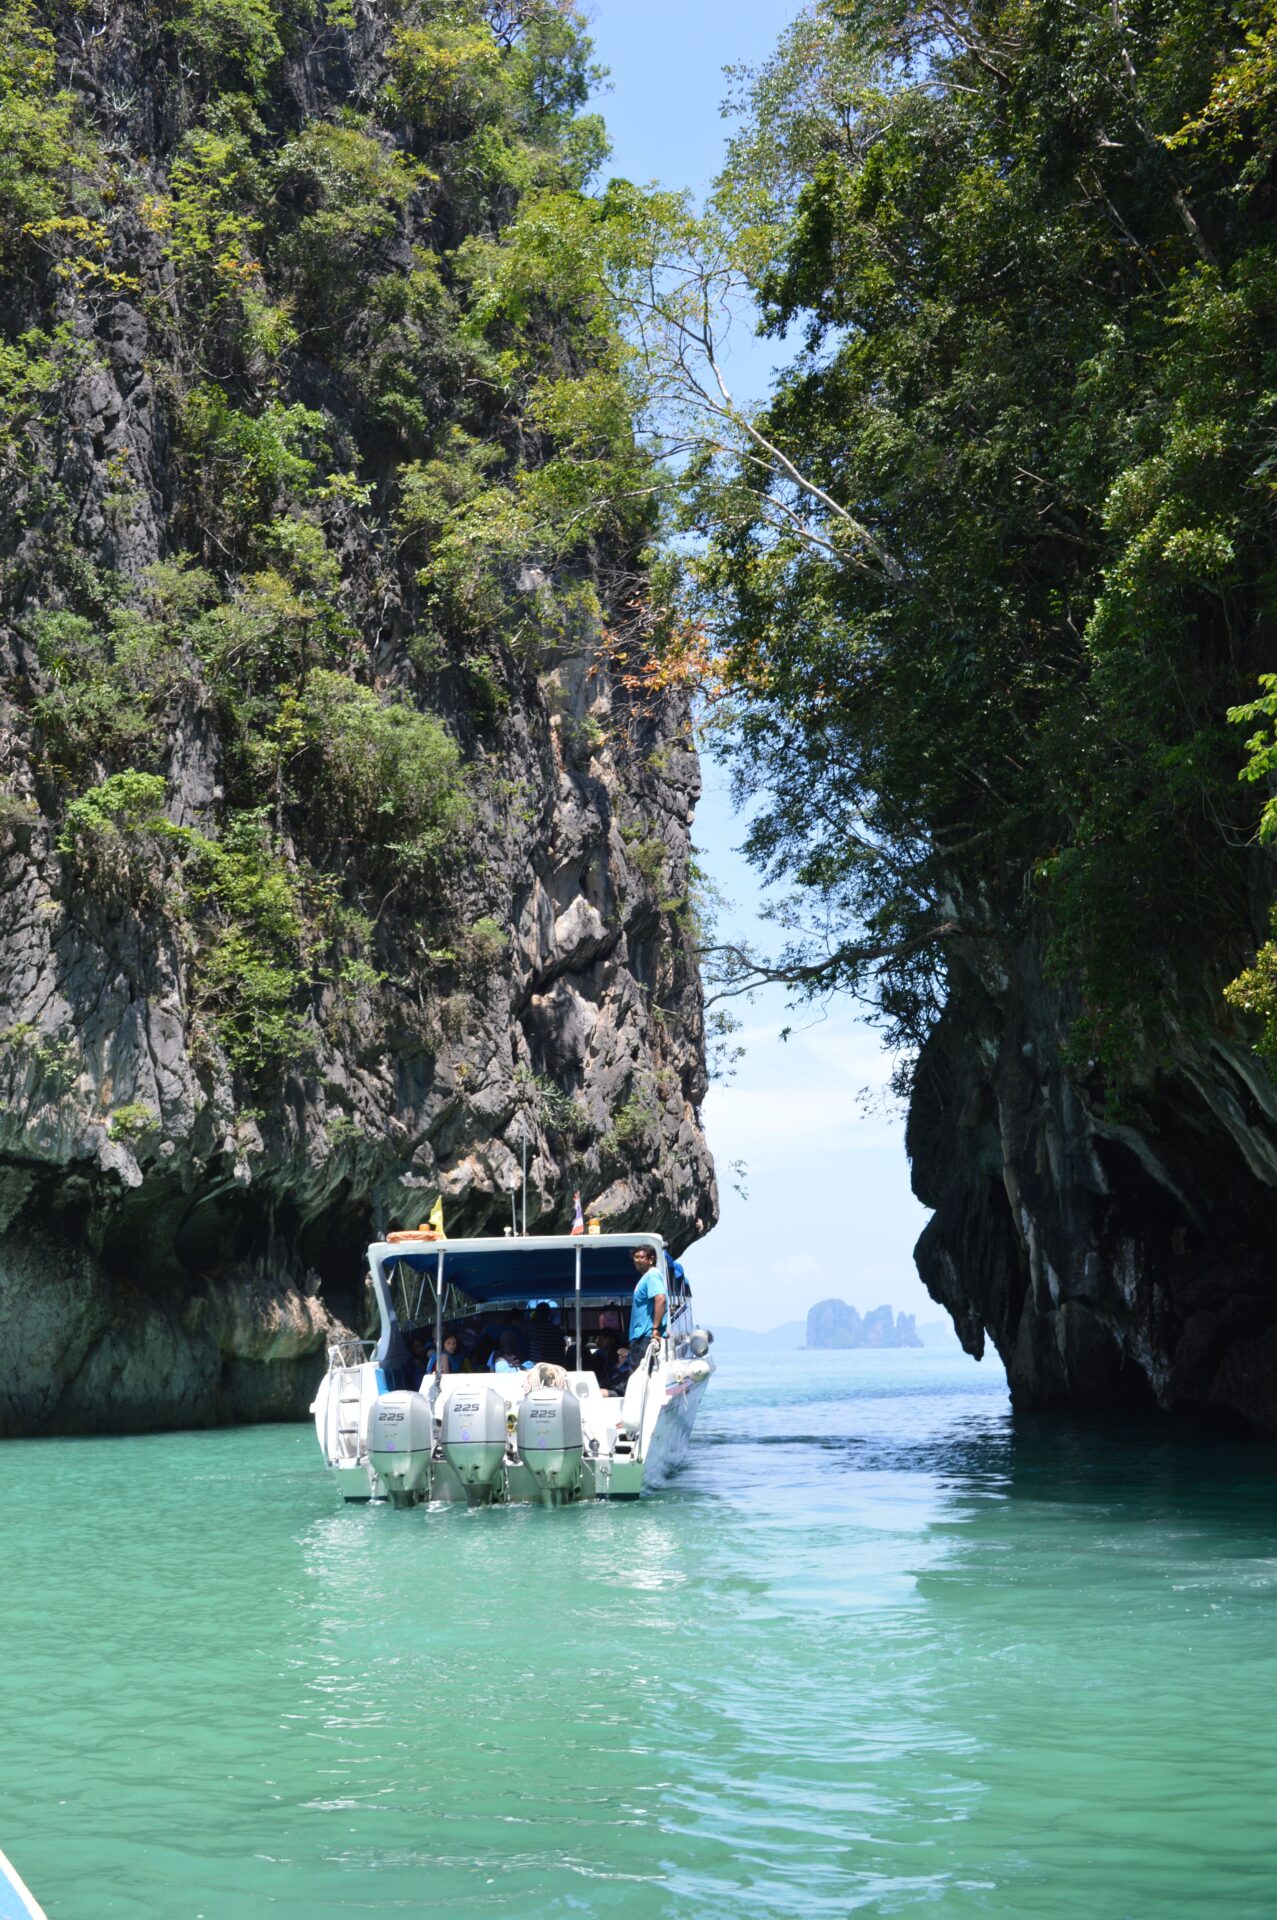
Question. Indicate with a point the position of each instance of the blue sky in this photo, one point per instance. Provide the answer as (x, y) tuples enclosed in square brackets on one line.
[(829, 1209)]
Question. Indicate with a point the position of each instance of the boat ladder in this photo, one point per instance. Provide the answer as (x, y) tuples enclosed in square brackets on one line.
[(348, 1399)]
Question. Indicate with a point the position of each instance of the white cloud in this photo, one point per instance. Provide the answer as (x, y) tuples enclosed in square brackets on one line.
[(769, 1126)]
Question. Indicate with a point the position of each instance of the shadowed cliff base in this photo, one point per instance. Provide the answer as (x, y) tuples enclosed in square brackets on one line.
[(1114, 1263)]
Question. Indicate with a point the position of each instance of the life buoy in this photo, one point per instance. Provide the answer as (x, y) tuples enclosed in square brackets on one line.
[(419, 1233)]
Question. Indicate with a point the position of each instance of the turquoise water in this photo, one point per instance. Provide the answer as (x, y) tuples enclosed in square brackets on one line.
[(881, 1650)]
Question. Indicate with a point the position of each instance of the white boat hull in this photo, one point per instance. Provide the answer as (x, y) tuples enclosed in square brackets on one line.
[(641, 1441), (672, 1436)]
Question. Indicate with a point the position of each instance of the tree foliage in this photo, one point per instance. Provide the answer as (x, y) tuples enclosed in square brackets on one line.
[(366, 482), (998, 557)]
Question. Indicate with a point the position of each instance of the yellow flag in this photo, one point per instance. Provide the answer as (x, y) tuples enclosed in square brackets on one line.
[(436, 1218)]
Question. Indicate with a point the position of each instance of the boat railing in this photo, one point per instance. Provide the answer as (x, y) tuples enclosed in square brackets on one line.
[(349, 1352)]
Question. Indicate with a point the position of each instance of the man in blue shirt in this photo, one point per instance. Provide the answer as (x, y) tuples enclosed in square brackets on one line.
[(648, 1311)]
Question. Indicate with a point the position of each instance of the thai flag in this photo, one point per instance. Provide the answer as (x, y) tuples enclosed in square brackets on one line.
[(578, 1218)]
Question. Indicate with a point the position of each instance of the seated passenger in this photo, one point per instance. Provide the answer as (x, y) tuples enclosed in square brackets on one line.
[(621, 1372), (602, 1356), (421, 1357), (449, 1361), (489, 1335), (514, 1324), (545, 1336), (506, 1359)]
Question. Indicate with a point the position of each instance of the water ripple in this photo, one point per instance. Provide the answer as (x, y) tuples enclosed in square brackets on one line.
[(883, 1649)]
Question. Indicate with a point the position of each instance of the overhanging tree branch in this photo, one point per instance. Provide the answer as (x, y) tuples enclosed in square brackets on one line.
[(750, 973)]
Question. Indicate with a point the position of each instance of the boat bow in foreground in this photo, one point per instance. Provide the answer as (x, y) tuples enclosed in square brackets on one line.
[(17, 1902)]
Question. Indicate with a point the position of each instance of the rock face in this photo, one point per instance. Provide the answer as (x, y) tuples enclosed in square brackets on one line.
[(177, 1242), (832, 1323), (1115, 1260), (195, 1273)]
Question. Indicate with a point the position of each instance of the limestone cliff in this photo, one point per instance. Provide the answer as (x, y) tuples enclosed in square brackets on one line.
[(1116, 1259), (271, 538), (832, 1323)]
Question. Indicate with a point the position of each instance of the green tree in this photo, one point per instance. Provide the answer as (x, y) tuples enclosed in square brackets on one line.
[(994, 562), (229, 39), (381, 771)]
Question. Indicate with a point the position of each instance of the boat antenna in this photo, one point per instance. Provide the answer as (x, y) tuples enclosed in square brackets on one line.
[(524, 1124)]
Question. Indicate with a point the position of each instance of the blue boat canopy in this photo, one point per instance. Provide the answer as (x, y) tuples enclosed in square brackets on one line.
[(522, 1270)]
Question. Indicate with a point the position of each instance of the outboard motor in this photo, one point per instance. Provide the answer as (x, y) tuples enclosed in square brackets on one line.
[(399, 1440), (550, 1443), (474, 1440)]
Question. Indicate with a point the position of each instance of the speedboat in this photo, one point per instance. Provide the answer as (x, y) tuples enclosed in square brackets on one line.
[(540, 1432)]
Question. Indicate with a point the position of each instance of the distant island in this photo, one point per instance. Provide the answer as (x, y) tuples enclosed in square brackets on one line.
[(832, 1323)]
